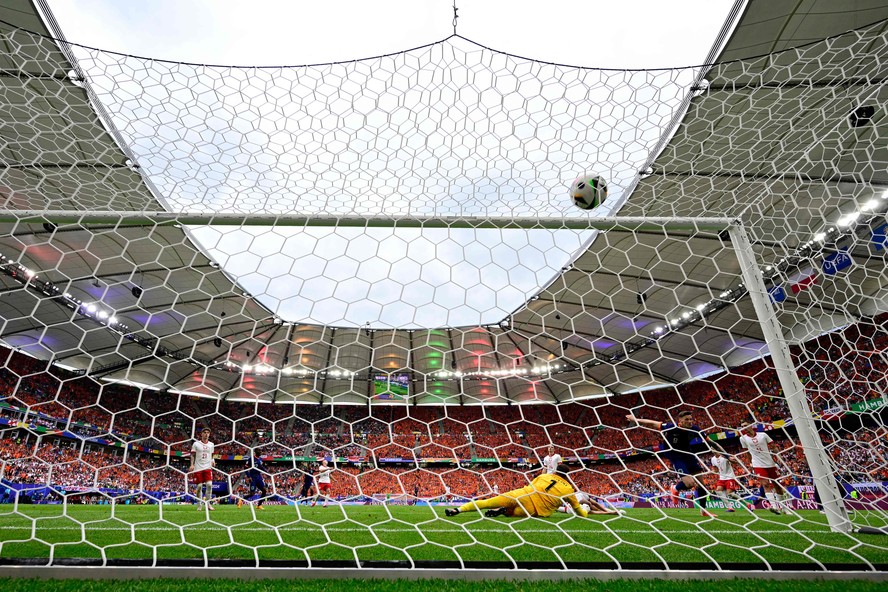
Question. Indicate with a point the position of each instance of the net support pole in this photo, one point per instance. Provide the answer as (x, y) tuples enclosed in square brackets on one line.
[(793, 391)]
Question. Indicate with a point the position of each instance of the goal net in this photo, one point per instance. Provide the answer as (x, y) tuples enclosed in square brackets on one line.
[(347, 315)]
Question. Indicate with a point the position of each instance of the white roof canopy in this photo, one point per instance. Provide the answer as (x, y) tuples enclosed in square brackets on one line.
[(768, 142)]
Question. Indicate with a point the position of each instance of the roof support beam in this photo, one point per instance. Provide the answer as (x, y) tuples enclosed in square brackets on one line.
[(621, 311), (647, 370), (109, 368), (63, 165), (410, 360), (8, 73), (172, 304), (565, 331), (772, 177), (40, 231), (288, 348), (239, 375), (27, 329), (462, 399), (655, 280), (323, 388), (732, 87), (500, 384), (371, 338), (135, 270), (539, 345)]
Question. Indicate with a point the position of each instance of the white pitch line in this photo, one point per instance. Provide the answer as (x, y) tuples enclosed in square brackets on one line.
[(317, 527)]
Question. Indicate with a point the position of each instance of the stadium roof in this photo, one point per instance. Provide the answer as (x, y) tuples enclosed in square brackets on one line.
[(767, 141)]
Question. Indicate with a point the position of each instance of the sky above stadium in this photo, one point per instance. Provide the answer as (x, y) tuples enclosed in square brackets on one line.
[(451, 130)]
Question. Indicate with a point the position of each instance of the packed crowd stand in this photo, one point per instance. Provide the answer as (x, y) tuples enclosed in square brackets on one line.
[(837, 370)]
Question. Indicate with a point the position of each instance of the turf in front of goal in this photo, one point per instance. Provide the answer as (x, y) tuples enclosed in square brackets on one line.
[(420, 536)]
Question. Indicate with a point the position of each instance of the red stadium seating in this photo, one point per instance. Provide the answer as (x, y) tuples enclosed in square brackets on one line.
[(837, 369)]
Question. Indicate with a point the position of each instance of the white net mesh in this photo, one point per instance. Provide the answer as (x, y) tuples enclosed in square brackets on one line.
[(125, 335), (451, 129)]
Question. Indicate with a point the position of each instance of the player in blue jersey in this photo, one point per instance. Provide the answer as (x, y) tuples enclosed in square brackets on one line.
[(683, 441), (308, 486), (257, 482)]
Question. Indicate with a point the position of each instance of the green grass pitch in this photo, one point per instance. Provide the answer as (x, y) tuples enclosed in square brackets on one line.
[(420, 536), (365, 585)]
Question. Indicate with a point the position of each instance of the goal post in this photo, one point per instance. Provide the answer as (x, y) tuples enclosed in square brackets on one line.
[(793, 390)]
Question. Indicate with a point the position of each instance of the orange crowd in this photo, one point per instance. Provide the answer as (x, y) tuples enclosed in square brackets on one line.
[(837, 370)]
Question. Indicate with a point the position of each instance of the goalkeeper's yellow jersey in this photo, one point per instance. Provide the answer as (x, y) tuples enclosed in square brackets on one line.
[(544, 496)]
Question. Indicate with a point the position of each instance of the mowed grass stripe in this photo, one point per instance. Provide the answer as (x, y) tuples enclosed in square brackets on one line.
[(420, 534)]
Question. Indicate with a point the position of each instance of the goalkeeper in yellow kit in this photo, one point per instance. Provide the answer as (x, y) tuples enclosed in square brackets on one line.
[(540, 499)]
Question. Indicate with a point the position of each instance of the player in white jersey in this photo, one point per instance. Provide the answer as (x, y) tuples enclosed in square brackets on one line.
[(323, 481), (551, 461), (495, 489), (763, 465), (727, 481), (202, 464)]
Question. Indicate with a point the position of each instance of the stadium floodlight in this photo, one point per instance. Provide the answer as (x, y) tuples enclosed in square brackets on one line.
[(848, 219)]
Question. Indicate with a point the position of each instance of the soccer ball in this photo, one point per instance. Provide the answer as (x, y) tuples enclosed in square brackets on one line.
[(586, 507), (588, 191)]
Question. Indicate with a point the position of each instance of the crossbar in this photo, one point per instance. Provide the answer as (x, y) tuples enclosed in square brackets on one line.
[(142, 218)]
